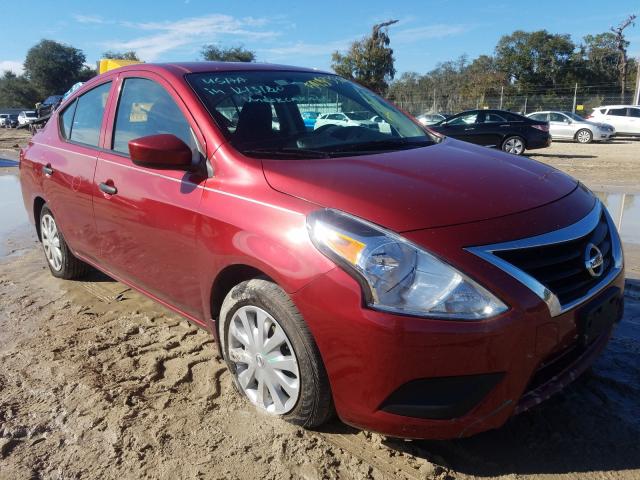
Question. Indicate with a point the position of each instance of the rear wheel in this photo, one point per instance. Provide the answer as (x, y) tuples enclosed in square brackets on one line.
[(513, 145), (61, 261), (584, 136), (271, 354)]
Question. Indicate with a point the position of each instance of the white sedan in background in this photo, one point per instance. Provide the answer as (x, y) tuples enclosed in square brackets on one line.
[(569, 126), (26, 116), (346, 119)]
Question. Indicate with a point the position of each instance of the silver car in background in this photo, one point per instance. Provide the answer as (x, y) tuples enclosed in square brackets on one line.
[(569, 126)]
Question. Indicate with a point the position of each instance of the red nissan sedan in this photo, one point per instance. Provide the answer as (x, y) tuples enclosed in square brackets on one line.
[(416, 285)]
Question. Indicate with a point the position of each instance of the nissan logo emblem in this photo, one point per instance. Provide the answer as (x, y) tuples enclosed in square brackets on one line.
[(593, 260)]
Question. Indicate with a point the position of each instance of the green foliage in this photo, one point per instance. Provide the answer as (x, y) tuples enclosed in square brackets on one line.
[(17, 92), (368, 61), (52, 68), (227, 54), (535, 58), (128, 55)]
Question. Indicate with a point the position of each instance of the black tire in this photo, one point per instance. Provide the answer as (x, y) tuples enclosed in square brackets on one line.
[(314, 405), (69, 266), (584, 135), (513, 144)]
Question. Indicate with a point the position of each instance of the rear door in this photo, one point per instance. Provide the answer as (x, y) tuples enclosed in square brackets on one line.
[(633, 120), (147, 227), (618, 118), (492, 129), (70, 166)]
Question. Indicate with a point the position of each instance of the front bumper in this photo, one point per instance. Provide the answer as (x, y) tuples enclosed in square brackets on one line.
[(384, 368)]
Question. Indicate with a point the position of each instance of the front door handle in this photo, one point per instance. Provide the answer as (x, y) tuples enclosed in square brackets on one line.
[(47, 170), (108, 189)]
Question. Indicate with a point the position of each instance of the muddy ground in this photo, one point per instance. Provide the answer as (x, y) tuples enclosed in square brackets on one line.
[(97, 381)]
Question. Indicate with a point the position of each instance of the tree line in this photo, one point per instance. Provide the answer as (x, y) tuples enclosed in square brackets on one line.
[(523, 63)]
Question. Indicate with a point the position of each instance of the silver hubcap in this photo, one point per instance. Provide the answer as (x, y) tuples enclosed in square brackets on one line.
[(51, 241), (584, 136), (266, 367), (514, 145)]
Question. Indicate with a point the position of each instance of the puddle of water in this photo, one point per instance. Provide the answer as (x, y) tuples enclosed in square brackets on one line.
[(625, 211), (12, 213)]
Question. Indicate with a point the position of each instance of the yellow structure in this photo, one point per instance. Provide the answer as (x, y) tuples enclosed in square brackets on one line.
[(106, 64)]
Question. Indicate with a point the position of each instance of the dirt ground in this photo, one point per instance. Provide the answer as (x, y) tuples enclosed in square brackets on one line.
[(97, 381)]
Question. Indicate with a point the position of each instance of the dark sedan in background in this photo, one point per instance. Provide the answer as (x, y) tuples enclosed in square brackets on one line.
[(508, 131)]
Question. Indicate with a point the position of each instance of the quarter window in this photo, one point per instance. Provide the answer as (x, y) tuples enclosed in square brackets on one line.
[(146, 108), (66, 120), (82, 120), (618, 112)]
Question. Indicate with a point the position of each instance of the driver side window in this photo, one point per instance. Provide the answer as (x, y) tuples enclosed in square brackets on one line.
[(145, 108), (464, 119), (558, 117)]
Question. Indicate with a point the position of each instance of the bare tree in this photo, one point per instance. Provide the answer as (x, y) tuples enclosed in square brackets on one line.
[(621, 46)]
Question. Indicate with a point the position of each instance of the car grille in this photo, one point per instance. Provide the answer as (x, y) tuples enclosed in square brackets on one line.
[(560, 267)]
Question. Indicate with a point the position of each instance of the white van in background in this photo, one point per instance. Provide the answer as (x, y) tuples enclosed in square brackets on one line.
[(624, 118)]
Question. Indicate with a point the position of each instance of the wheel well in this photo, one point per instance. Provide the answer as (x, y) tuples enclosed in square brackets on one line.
[(228, 278), (38, 203)]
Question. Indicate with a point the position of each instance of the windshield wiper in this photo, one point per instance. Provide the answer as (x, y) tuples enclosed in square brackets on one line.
[(386, 144), (287, 152)]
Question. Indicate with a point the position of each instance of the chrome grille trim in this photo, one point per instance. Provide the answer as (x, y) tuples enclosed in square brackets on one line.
[(572, 232)]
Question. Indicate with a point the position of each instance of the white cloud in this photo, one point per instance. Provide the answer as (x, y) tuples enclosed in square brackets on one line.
[(427, 32), (11, 65), (88, 18), (171, 35), (307, 49)]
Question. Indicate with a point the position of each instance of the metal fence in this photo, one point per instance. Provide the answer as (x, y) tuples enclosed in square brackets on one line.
[(583, 103)]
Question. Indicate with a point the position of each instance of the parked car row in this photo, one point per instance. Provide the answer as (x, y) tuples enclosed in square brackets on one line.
[(515, 133), (12, 120)]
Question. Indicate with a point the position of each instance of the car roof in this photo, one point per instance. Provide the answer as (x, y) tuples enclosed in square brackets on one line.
[(202, 67), (618, 106)]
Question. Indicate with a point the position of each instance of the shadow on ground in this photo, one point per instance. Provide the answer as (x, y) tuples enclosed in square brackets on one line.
[(560, 155)]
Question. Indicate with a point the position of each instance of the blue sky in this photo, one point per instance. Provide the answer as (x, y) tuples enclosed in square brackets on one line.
[(296, 32)]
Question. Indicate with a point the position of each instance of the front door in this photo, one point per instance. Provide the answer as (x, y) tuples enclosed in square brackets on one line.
[(560, 126), (147, 218)]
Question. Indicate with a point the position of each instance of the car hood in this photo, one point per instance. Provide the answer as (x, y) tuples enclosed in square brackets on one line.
[(445, 184)]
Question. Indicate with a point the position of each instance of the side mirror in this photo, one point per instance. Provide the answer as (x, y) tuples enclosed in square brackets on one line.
[(164, 151)]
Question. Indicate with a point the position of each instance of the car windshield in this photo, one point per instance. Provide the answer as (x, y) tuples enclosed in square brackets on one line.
[(260, 112), (573, 116)]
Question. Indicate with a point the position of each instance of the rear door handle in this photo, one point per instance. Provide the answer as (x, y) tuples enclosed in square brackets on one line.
[(108, 189), (47, 170)]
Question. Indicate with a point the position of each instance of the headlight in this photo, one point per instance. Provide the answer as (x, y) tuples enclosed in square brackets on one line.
[(396, 275)]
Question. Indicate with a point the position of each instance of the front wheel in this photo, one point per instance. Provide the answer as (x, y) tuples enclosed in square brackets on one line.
[(513, 145), (62, 263), (584, 136), (273, 359)]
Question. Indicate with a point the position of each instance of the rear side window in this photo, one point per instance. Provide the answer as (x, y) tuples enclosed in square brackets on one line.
[(634, 112), (539, 116), (493, 118), (618, 112), (87, 117), (146, 108)]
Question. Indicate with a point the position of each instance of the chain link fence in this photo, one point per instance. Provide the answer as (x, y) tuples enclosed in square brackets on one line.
[(584, 102)]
